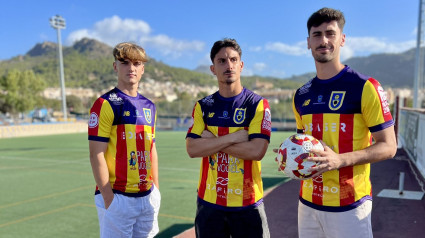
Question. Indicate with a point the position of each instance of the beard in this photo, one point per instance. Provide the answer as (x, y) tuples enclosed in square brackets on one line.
[(324, 58)]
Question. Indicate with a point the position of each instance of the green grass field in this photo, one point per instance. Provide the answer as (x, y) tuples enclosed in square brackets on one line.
[(47, 185)]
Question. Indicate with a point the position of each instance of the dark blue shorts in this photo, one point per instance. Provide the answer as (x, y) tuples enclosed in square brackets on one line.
[(216, 223)]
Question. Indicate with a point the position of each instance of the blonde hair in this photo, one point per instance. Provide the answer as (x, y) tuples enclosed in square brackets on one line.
[(130, 51)]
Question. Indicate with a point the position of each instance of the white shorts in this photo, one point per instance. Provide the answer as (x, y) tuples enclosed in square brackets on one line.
[(355, 223), (129, 216)]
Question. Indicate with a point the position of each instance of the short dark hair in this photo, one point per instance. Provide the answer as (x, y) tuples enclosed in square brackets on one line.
[(226, 42), (326, 15)]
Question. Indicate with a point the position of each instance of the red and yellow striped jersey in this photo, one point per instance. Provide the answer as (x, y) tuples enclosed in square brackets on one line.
[(127, 124), (341, 111), (227, 182)]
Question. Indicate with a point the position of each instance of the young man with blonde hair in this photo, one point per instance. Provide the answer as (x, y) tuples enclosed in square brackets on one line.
[(123, 153)]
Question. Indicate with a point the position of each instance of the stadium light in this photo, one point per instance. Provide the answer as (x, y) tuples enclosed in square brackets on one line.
[(58, 23), (418, 82)]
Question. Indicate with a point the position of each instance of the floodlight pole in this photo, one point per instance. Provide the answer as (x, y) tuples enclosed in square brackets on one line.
[(58, 23), (419, 65)]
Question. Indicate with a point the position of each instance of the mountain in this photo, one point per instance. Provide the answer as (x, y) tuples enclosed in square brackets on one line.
[(42, 49), (391, 70), (88, 62)]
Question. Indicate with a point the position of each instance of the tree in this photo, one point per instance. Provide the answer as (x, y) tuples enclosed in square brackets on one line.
[(75, 104), (20, 91)]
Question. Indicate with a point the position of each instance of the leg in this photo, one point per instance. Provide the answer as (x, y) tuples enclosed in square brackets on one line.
[(211, 223), (147, 220), (117, 220), (308, 223), (355, 223), (249, 223)]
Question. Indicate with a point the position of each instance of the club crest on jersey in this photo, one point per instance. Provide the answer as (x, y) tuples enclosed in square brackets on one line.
[(337, 98), (148, 115), (239, 115)]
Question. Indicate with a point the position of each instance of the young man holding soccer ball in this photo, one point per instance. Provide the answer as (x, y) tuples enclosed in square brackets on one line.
[(345, 110)]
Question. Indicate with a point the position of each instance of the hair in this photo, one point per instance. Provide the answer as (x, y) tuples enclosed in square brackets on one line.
[(326, 15), (226, 42), (130, 51)]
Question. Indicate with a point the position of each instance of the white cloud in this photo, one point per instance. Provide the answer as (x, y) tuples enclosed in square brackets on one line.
[(355, 46), (114, 30), (205, 60), (259, 66), (255, 48), (247, 72), (171, 47), (298, 49)]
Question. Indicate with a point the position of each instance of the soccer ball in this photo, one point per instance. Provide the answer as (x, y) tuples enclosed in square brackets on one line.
[(293, 153)]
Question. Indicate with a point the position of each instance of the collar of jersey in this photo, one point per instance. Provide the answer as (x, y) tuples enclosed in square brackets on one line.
[(336, 77), (231, 98)]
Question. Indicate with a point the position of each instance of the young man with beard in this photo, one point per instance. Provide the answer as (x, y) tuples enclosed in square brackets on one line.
[(348, 111), (231, 133)]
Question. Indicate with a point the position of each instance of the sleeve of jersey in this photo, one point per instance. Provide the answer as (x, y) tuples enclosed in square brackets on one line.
[(154, 127), (261, 124), (198, 126), (375, 108), (300, 128), (101, 119)]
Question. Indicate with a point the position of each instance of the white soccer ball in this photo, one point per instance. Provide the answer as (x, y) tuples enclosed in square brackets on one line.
[(293, 153)]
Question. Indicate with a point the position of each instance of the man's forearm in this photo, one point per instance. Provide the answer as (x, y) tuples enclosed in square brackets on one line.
[(254, 149), (202, 147)]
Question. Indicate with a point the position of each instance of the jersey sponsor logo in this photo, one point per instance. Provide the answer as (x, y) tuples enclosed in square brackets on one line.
[(319, 100), (212, 162), (228, 163), (318, 189), (94, 120), (306, 102), (332, 127), (306, 88), (142, 156), (267, 122), (134, 135), (209, 101), (132, 160), (225, 115), (239, 115), (142, 179), (384, 102), (222, 181), (115, 99), (337, 98), (148, 115), (221, 192)]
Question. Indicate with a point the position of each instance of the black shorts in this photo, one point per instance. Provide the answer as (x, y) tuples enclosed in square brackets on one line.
[(216, 223)]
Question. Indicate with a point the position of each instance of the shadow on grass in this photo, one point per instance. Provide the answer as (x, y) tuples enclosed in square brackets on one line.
[(174, 230), (269, 182)]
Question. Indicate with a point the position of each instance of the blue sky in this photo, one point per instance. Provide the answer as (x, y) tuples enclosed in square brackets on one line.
[(272, 33)]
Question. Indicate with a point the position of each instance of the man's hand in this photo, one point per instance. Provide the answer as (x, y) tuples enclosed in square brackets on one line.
[(107, 199), (327, 159)]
